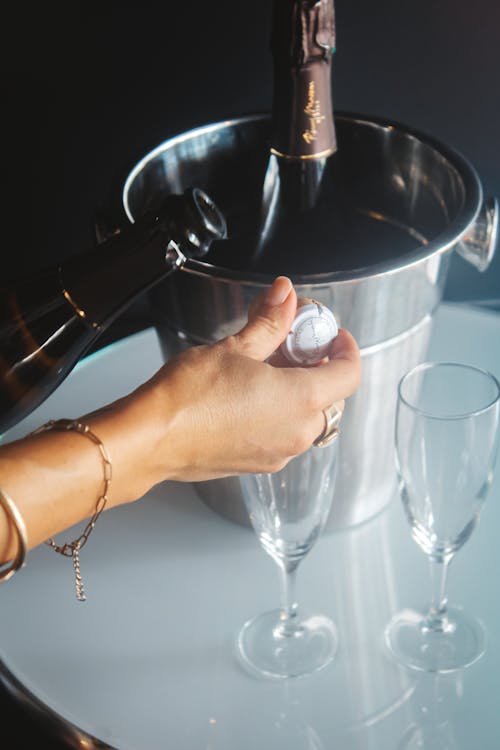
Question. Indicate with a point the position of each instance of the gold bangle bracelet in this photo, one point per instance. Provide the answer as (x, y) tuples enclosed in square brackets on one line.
[(16, 519)]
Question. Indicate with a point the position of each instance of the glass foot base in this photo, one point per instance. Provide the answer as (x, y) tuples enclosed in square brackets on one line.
[(266, 648), (458, 644)]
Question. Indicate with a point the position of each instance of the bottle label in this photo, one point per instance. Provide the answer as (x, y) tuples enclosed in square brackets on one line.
[(303, 124), (302, 43), (313, 112)]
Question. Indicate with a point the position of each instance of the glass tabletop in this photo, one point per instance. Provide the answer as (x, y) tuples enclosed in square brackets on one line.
[(149, 660)]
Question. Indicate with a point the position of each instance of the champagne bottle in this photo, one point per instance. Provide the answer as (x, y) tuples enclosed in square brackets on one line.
[(314, 218), (49, 321), (302, 140)]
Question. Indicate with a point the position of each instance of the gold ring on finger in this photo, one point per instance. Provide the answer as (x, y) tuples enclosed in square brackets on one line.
[(331, 431)]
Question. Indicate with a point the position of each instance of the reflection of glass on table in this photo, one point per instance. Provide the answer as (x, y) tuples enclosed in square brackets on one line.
[(432, 710), (288, 510)]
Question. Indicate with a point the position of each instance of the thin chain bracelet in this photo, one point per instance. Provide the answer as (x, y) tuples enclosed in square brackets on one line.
[(72, 549)]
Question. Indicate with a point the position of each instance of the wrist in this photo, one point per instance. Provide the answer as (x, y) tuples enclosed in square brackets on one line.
[(132, 431)]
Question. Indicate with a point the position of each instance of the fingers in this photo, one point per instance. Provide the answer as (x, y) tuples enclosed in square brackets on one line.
[(334, 378), (329, 382), (338, 378), (220, 410), (269, 320), (308, 391)]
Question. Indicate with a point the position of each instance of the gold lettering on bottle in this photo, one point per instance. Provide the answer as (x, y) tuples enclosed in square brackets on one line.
[(313, 111)]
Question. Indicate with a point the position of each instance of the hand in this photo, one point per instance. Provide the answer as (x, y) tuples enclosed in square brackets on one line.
[(209, 412), (222, 409)]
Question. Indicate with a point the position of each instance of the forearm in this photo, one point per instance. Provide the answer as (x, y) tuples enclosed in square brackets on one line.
[(56, 478), (211, 412)]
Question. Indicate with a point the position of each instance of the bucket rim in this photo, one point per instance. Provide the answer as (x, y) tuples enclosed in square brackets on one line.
[(442, 243)]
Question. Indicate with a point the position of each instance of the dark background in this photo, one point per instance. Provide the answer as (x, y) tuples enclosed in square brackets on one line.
[(87, 88)]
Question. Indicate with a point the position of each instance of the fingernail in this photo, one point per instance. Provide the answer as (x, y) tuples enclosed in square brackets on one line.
[(279, 291)]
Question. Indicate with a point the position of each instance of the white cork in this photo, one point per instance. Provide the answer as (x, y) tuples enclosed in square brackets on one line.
[(313, 331)]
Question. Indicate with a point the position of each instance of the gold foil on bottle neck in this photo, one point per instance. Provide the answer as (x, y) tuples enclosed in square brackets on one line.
[(319, 155)]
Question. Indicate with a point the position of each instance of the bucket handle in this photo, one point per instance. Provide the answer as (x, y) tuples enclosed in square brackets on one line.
[(478, 244)]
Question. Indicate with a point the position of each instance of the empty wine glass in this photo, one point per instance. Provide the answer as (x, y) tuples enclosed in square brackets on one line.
[(288, 510), (446, 445)]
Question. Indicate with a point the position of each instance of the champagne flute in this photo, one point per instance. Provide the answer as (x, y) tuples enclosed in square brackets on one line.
[(446, 445), (288, 510)]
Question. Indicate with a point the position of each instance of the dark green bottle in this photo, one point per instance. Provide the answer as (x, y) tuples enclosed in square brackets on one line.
[(49, 321)]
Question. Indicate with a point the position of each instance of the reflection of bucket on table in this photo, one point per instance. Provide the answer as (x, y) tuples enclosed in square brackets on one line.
[(416, 199), (366, 687), (361, 695)]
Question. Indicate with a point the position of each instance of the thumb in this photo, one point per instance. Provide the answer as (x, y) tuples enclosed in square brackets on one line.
[(270, 318)]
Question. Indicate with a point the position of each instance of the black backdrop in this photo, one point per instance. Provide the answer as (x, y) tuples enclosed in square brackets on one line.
[(88, 87)]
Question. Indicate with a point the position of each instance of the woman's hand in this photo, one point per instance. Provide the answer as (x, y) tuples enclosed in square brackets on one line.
[(221, 409), (211, 411)]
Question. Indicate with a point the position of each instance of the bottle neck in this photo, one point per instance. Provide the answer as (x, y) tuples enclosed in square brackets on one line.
[(102, 282), (291, 188), (302, 42)]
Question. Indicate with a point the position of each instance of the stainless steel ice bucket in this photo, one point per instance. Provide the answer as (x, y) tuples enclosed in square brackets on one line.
[(425, 194)]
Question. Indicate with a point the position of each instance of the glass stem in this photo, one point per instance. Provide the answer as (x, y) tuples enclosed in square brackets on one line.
[(437, 616), (288, 611)]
